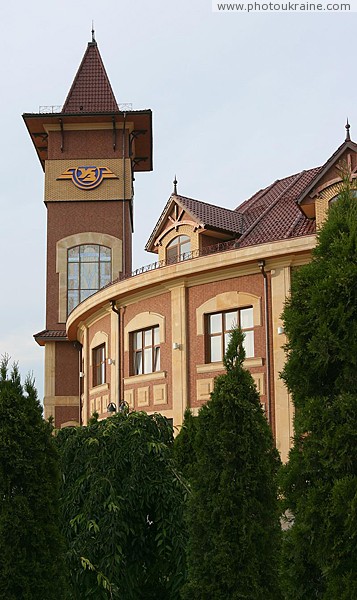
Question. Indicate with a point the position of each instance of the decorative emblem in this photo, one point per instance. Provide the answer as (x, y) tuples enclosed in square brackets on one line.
[(87, 177)]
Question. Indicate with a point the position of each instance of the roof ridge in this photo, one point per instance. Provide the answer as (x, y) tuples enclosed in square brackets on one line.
[(232, 210)]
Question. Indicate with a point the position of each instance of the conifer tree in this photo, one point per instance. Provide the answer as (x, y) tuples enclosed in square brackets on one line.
[(234, 530), (319, 483), (31, 560)]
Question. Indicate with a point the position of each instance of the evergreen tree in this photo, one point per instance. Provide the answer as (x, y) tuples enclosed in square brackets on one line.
[(184, 450), (233, 523), (31, 565), (122, 509), (319, 483)]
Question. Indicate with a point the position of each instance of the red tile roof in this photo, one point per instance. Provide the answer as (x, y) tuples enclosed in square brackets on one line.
[(51, 334), (272, 214), (91, 90), (208, 215), (212, 216), (269, 215)]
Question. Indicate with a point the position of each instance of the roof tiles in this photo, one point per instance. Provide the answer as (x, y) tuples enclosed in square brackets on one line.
[(91, 90), (213, 216)]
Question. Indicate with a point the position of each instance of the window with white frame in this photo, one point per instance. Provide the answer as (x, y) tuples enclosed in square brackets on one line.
[(219, 326), (145, 351), (178, 249), (89, 268)]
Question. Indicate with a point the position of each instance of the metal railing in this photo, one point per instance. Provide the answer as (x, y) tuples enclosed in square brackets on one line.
[(206, 251), (50, 109)]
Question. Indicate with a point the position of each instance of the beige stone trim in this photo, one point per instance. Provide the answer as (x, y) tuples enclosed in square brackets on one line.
[(172, 233), (86, 368), (77, 239), (143, 396), (99, 315), (206, 269), (280, 286), (218, 366), (114, 355), (179, 356), (101, 337), (50, 369), (204, 389), (228, 301), (99, 389), (61, 400), (259, 382), (70, 424), (146, 377), (129, 398), (160, 393), (109, 189), (50, 403), (142, 321)]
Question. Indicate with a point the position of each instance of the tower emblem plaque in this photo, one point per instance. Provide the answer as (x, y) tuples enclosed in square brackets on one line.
[(87, 177)]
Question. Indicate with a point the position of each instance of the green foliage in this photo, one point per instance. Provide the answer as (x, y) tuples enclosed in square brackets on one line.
[(320, 488), (233, 522), (122, 505), (184, 451), (319, 483), (320, 318), (31, 561)]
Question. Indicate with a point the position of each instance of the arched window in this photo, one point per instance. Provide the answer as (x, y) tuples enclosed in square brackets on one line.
[(334, 198), (89, 268), (178, 249)]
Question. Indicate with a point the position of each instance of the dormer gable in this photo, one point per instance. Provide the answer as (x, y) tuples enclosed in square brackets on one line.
[(187, 216), (313, 201)]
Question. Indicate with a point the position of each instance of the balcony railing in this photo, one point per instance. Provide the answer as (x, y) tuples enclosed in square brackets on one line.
[(207, 250)]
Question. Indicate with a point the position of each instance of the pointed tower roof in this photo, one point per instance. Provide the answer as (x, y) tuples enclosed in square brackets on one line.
[(91, 90)]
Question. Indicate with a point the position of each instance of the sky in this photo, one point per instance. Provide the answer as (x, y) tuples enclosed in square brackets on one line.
[(239, 100)]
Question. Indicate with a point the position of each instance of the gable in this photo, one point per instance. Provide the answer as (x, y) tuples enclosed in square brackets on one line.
[(342, 161)]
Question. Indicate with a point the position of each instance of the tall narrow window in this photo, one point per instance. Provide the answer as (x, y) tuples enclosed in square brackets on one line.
[(219, 327), (178, 249), (89, 268), (98, 361), (146, 351)]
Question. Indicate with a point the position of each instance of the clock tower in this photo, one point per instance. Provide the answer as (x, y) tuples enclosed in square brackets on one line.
[(90, 150)]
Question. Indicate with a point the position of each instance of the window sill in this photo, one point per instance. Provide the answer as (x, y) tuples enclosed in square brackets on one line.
[(98, 389), (218, 366), (145, 377)]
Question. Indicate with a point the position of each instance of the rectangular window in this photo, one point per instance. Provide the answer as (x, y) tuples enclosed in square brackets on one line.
[(219, 327), (98, 365), (145, 351)]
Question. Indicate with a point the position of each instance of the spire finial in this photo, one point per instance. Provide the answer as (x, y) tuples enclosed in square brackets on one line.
[(93, 33), (347, 127), (175, 186)]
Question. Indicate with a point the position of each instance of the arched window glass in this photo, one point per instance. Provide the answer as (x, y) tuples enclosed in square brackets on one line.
[(89, 268), (178, 249)]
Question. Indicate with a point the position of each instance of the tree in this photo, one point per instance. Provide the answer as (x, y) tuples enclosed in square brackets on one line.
[(184, 451), (31, 560), (319, 483), (122, 509), (232, 514)]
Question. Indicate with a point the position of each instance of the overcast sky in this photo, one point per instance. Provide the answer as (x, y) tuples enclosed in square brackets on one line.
[(238, 101)]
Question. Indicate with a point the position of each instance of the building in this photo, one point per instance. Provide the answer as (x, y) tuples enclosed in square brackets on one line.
[(155, 338)]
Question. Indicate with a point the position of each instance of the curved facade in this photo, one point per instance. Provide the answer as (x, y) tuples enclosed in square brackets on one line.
[(155, 338)]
